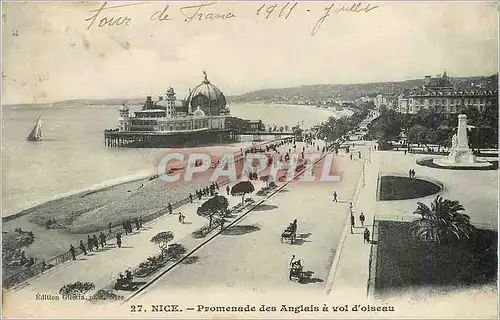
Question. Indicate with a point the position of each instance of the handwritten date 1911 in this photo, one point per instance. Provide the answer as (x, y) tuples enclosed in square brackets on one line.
[(285, 10)]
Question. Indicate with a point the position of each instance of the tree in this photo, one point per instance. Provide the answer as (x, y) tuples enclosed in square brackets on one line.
[(431, 137), (175, 250), (281, 129), (76, 289), (417, 134), (212, 207), (162, 239), (442, 222), (297, 132), (287, 128), (241, 189)]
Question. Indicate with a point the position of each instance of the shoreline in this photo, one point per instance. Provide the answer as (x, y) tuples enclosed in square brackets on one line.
[(103, 186)]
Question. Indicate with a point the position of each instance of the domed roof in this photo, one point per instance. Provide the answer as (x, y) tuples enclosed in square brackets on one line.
[(207, 94), (198, 112)]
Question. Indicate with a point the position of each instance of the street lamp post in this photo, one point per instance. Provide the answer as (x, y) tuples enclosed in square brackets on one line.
[(363, 173)]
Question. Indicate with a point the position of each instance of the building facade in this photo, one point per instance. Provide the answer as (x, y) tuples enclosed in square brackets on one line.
[(205, 108), (439, 95)]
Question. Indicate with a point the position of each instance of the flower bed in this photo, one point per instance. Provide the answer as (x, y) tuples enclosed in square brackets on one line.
[(151, 265)]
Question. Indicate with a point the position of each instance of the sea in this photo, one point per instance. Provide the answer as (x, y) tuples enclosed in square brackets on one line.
[(72, 157)]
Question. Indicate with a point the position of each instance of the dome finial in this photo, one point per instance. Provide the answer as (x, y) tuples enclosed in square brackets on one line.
[(205, 80)]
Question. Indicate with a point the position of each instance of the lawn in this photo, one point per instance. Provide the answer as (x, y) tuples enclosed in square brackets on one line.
[(401, 188), (403, 263)]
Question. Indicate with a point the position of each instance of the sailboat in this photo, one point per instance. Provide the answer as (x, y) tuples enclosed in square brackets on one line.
[(36, 133)]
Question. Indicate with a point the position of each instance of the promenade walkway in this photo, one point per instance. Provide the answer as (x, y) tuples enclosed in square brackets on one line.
[(349, 274)]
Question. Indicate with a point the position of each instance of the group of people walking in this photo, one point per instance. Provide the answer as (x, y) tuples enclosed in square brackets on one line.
[(203, 192), (127, 225), (93, 243), (96, 242), (362, 218)]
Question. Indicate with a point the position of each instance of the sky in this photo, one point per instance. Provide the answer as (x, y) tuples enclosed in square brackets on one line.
[(51, 53)]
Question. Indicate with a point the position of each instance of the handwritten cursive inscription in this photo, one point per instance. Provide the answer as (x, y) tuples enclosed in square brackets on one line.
[(105, 21), (195, 12), (208, 11), (356, 8), (161, 15)]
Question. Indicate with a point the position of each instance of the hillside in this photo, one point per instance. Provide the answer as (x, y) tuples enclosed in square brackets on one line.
[(307, 93), (343, 92)]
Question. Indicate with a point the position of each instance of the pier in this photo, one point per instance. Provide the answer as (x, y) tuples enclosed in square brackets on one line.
[(118, 139)]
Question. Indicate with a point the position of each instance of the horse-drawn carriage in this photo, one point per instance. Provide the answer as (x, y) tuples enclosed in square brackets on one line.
[(125, 283), (296, 271), (290, 233)]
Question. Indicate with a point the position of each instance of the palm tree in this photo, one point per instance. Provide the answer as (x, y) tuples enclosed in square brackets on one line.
[(442, 222)]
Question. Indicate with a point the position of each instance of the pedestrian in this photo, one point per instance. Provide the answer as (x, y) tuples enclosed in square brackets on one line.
[(96, 242), (119, 240), (350, 207), (227, 190), (190, 197), (359, 154), (335, 196), (350, 156), (180, 217), (140, 222), (353, 221), (405, 151), (169, 208), (73, 252), (82, 247), (413, 173), (198, 193), (366, 236), (90, 244), (362, 219), (129, 226), (124, 225), (409, 173), (103, 239), (292, 260), (136, 221), (109, 227), (216, 185)]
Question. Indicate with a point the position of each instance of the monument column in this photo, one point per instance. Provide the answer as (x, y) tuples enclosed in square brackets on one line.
[(462, 141)]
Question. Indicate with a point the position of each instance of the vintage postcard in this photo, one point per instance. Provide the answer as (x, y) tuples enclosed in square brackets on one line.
[(257, 159)]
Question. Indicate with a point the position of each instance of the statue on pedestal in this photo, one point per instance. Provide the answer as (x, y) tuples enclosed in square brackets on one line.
[(454, 141)]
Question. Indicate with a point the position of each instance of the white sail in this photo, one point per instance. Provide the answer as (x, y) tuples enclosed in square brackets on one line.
[(36, 133)]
